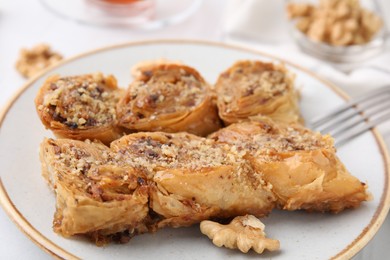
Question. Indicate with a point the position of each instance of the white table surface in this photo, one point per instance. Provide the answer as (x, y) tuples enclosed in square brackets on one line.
[(26, 23)]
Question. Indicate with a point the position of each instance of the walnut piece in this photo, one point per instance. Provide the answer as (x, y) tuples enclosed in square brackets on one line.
[(336, 22), (31, 61), (243, 233)]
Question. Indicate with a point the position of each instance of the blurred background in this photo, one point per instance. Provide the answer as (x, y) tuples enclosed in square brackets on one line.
[(75, 26)]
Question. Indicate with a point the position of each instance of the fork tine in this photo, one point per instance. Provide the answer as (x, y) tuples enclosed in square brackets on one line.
[(345, 116), (357, 131), (360, 115), (316, 122), (356, 116)]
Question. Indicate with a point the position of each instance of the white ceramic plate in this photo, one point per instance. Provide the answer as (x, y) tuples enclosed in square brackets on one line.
[(29, 202)]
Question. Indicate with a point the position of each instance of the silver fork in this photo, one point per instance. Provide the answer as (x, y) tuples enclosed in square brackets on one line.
[(355, 117)]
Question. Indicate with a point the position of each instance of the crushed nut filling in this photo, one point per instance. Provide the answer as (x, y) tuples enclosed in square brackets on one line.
[(96, 176), (249, 79), (80, 102), (162, 91), (148, 155), (181, 151), (266, 141)]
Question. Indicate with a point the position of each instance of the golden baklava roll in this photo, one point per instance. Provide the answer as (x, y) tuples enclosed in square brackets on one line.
[(80, 107), (193, 178), (253, 88), (171, 98), (146, 181), (301, 165), (93, 197)]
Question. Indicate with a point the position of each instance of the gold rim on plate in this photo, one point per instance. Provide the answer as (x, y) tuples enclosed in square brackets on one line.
[(58, 252)]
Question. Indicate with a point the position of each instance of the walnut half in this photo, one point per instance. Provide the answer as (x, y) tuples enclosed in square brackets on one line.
[(243, 232)]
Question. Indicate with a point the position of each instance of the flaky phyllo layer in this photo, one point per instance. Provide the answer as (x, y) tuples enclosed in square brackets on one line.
[(170, 98), (146, 181), (80, 107), (162, 97), (301, 165), (121, 185), (254, 88)]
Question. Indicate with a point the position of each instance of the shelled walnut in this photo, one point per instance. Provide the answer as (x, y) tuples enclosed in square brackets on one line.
[(243, 233)]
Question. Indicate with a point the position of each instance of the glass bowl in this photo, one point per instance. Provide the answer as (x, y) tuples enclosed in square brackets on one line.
[(341, 54)]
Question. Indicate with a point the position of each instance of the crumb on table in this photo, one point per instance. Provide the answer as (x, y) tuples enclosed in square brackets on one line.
[(32, 61)]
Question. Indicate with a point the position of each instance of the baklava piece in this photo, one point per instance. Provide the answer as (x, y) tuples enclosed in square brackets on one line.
[(146, 181), (169, 98), (93, 197), (80, 107), (301, 165), (253, 88), (193, 178)]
